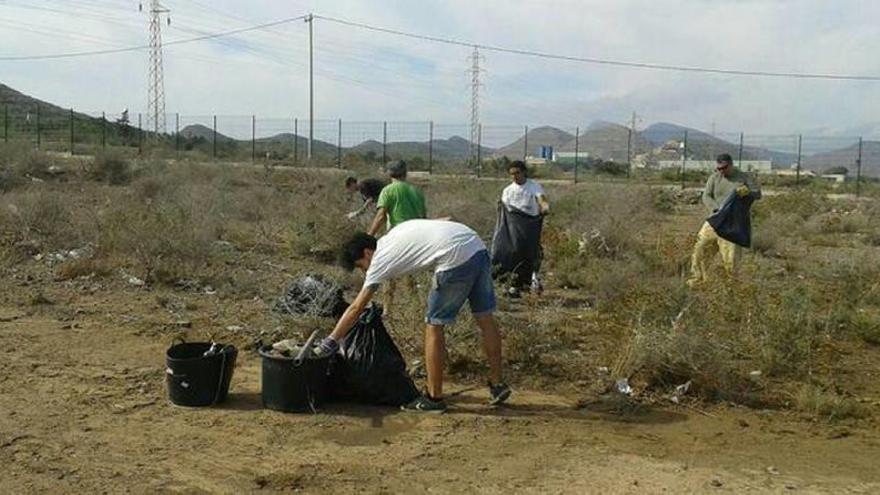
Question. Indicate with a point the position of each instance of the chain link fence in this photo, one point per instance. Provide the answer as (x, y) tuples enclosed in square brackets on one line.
[(661, 151)]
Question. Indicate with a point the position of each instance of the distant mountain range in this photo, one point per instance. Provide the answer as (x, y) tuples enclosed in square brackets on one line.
[(601, 140)]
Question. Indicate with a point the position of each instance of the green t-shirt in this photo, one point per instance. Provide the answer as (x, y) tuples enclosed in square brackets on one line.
[(403, 201)]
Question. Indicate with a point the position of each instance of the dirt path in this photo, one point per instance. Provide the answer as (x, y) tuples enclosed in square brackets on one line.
[(83, 410)]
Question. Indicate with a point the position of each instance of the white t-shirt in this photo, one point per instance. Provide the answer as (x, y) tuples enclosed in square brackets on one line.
[(419, 244), (523, 197)]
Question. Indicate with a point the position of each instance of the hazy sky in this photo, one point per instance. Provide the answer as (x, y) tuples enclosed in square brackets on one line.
[(363, 75)]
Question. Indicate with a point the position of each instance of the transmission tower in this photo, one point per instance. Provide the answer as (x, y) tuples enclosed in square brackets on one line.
[(156, 82), (475, 71)]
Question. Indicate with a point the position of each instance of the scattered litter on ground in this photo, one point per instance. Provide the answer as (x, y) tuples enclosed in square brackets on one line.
[(622, 386), (679, 391), (312, 295)]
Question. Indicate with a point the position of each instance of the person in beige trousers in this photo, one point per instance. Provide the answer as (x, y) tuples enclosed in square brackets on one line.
[(725, 180)]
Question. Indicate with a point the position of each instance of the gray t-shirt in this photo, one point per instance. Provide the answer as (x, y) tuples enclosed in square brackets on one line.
[(718, 187)]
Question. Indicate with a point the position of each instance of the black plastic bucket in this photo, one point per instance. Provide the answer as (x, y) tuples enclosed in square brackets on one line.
[(294, 387), (197, 380)]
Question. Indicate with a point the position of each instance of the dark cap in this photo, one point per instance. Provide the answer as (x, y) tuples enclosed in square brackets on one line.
[(396, 168)]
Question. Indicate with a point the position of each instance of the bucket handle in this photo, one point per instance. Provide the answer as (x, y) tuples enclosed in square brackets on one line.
[(179, 339), (306, 349)]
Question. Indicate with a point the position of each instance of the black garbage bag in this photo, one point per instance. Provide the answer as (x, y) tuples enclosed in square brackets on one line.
[(312, 294), (733, 221), (516, 245), (371, 369)]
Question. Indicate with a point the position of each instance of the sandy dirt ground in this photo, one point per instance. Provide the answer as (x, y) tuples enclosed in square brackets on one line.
[(83, 409)]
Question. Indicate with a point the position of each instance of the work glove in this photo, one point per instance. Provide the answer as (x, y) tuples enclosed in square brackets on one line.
[(328, 347), (743, 191), (352, 215)]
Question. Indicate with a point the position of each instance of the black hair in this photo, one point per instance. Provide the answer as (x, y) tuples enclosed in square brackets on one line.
[(518, 164), (349, 181), (353, 249), (724, 158), (397, 169)]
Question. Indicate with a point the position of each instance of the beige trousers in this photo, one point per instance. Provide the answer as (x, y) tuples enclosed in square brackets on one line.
[(708, 243)]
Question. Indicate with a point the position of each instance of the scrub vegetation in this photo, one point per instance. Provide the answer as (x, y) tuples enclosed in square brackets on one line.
[(798, 330)]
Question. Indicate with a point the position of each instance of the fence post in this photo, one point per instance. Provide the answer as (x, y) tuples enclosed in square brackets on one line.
[(479, 150), (295, 140), (859, 169), (103, 130), (384, 142), (253, 138), (797, 179), (177, 132), (431, 147), (739, 162), (71, 132), (525, 142), (629, 139), (339, 145), (577, 147), (39, 136), (684, 153), (140, 135), (214, 139)]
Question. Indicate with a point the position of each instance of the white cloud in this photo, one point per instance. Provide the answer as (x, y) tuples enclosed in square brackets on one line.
[(364, 75)]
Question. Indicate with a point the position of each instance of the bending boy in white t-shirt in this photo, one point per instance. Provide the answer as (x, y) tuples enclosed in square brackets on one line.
[(462, 272)]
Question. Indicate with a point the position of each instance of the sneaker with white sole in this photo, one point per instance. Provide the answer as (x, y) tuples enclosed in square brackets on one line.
[(425, 405), (498, 393)]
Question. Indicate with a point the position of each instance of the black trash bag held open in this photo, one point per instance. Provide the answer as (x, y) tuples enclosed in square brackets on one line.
[(733, 221), (371, 369), (516, 244)]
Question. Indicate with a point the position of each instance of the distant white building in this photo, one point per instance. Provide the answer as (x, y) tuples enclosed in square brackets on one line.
[(568, 156), (792, 172), (759, 166)]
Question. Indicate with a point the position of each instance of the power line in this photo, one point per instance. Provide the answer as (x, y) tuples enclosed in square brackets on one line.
[(147, 47), (599, 61)]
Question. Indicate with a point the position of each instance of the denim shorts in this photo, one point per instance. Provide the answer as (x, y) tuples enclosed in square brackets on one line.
[(471, 282)]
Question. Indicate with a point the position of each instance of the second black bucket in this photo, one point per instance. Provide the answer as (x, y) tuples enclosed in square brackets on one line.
[(294, 387), (197, 380)]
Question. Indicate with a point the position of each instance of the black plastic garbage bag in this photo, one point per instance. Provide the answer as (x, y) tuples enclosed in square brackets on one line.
[(516, 244), (371, 369), (733, 221)]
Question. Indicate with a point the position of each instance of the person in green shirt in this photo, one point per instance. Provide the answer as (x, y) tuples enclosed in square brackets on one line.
[(726, 180), (398, 202)]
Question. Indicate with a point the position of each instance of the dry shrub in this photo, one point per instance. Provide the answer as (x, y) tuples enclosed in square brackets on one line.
[(83, 267), (716, 338), (20, 164), (803, 204), (836, 223), (165, 240), (40, 215), (821, 403), (111, 167)]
